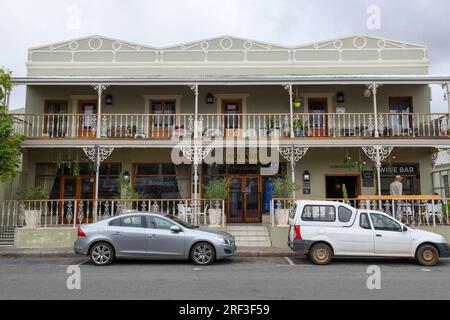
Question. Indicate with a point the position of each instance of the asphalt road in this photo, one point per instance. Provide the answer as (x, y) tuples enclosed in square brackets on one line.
[(236, 278)]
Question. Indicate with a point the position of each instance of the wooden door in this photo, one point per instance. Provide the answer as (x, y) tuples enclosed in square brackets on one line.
[(232, 116), (87, 121), (318, 118)]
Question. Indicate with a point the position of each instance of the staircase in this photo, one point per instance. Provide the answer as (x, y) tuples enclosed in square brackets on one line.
[(6, 236), (250, 235)]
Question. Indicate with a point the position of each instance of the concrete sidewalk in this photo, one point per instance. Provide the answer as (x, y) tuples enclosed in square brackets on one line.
[(68, 252)]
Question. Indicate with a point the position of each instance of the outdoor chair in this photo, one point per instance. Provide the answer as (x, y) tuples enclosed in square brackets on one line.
[(437, 210), (185, 212)]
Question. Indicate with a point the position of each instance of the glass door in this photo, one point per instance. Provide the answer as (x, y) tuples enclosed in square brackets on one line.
[(235, 200), (162, 118), (77, 194), (318, 122), (244, 202), (252, 200), (86, 194), (88, 119)]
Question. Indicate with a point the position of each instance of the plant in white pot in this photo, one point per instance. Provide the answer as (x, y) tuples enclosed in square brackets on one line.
[(282, 189), (32, 204), (215, 192)]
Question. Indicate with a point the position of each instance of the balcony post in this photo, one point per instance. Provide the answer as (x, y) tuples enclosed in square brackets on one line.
[(288, 87), (99, 88), (195, 89), (446, 86), (374, 89)]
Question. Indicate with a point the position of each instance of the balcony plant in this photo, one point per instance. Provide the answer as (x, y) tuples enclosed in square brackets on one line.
[(283, 188), (299, 128), (33, 211), (216, 189)]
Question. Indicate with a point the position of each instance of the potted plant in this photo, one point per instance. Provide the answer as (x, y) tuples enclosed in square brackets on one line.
[(297, 103), (282, 188), (33, 211), (126, 193), (216, 189), (299, 128)]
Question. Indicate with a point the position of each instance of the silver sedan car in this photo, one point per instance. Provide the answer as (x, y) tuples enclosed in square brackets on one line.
[(151, 236)]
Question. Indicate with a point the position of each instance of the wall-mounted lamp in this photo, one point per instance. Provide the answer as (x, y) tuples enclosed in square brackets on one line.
[(108, 100), (126, 176), (209, 98), (367, 93), (340, 97), (306, 176)]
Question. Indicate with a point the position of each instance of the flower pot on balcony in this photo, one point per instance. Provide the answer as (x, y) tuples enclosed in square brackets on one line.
[(299, 133), (33, 218), (282, 217), (215, 216)]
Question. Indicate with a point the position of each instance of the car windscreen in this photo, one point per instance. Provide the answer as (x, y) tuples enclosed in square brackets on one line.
[(181, 222)]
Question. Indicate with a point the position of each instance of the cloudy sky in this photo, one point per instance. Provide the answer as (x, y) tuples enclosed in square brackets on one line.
[(27, 23)]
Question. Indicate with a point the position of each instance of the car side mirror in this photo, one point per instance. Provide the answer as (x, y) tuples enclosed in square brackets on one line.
[(175, 229), (405, 228)]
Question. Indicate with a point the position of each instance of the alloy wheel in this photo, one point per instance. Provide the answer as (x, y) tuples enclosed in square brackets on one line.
[(101, 254), (203, 254)]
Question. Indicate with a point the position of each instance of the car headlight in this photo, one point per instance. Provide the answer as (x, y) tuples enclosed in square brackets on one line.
[(224, 240)]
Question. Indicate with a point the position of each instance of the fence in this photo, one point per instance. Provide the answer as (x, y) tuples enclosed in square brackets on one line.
[(412, 210), (70, 212)]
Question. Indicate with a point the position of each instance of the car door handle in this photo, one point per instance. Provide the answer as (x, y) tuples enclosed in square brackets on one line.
[(153, 236), (117, 234), (379, 235)]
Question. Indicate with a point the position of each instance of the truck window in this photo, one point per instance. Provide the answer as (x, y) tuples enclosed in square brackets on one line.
[(319, 213), (384, 223), (344, 214), (364, 221)]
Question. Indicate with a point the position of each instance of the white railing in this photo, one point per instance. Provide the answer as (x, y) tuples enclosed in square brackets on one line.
[(412, 210), (69, 212), (413, 124), (275, 125)]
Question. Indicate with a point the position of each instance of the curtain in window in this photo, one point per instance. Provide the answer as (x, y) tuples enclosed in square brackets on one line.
[(183, 180)]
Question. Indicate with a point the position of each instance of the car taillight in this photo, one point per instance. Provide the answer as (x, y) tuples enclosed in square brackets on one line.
[(298, 235), (81, 232)]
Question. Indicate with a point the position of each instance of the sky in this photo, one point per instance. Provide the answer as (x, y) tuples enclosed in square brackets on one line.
[(27, 23)]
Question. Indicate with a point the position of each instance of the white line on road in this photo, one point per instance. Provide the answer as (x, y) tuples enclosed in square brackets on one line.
[(289, 261), (77, 264), (294, 265)]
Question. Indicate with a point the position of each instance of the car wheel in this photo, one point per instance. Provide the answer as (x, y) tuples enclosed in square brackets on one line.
[(203, 254), (321, 254), (102, 254), (427, 255)]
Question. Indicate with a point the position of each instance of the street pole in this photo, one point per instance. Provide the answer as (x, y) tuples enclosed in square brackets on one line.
[(97, 176)]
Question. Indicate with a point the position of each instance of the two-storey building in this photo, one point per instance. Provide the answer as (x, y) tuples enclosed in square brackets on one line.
[(353, 111)]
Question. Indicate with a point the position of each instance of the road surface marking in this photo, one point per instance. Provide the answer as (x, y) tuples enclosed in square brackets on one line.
[(426, 270), (77, 264), (197, 269), (289, 261)]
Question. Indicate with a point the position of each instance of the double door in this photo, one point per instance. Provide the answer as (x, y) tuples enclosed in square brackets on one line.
[(82, 191), (244, 199)]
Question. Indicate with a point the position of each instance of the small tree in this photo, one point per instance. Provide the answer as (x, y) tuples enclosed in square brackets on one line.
[(216, 189), (10, 142), (283, 188)]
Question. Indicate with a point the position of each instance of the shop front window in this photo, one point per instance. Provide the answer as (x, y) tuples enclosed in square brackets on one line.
[(409, 173), (162, 181)]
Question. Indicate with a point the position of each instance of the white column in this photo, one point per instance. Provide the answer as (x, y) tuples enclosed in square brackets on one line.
[(294, 194), (291, 109), (378, 166), (99, 88), (7, 97), (195, 89), (374, 88), (447, 87), (97, 177)]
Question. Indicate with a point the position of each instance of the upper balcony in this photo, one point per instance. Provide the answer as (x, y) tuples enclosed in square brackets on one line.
[(234, 126)]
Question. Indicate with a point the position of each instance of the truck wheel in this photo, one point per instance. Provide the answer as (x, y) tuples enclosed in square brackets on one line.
[(321, 254), (427, 255)]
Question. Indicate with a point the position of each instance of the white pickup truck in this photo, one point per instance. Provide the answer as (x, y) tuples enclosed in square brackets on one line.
[(324, 229)]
